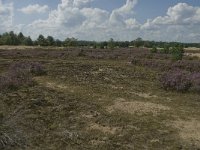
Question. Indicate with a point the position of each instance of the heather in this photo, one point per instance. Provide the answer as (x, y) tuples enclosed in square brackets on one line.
[(84, 98), (20, 74)]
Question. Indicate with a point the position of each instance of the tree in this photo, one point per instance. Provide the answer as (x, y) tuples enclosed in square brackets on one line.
[(21, 38), (138, 42), (154, 50), (111, 43), (148, 44), (12, 39), (58, 43), (177, 52), (41, 40), (70, 42), (50, 41), (28, 41)]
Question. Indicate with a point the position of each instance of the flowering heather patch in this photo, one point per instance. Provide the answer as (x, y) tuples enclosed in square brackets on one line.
[(166, 65), (34, 68), (195, 80), (19, 74), (180, 80), (176, 80), (14, 79)]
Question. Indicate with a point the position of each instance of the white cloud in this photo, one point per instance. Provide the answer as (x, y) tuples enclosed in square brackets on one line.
[(180, 23), (6, 16), (72, 19), (180, 14), (81, 3), (119, 15), (132, 23), (36, 8), (75, 18)]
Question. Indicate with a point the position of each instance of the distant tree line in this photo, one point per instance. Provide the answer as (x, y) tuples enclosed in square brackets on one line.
[(12, 38)]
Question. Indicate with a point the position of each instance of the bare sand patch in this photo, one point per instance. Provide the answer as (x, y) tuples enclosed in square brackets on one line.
[(104, 129), (97, 142), (144, 95), (53, 85), (137, 107), (189, 130), (193, 54)]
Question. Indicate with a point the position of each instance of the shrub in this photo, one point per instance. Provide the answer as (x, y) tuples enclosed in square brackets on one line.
[(154, 50), (14, 79), (19, 74), (177, 53), (176, 80), (34, 68), (195, 80)]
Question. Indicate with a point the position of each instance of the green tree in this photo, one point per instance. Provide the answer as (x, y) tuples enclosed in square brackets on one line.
[(138, 42), (28, 41), (70, 42), (21, 38), (154, 50), (58, 43), (50, 41), (42, 41), (177, 52), (111, 43)]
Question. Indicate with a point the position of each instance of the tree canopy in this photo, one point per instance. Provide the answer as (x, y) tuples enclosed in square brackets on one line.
[(11, 38)]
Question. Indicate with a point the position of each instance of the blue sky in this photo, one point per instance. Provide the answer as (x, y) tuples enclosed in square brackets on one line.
[(166, 20)]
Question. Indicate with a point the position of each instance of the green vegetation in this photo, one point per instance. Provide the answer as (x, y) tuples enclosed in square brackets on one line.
[(19, 39), (96, 99)]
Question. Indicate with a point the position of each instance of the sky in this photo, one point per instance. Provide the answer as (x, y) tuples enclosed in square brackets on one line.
[(159, 20)]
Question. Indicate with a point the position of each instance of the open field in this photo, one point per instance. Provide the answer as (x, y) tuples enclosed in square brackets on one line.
[(194, 52), (97, 99)]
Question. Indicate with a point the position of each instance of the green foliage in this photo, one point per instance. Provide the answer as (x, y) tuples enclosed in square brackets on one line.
[(154, 50), (28, 41), (11, 38), (111, 43), (42, 41), (50, 41), (148, 44), (138, 42), (177, 52), (58, 43), (70, 42)]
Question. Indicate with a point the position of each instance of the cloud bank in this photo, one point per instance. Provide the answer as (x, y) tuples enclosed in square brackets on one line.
[(31, 9), (75, 18)]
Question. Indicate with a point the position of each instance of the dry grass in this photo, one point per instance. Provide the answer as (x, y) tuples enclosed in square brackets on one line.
[(137, 107), (76, 105), (189, 130), (145, 95), (103, 129), (192, 49), (193, 54), (9, 47)]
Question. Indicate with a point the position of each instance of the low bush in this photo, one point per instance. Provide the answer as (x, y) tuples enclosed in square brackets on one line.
[(176, 80), (19, 74), (154, 50), (35, 68), (15, 79), (195, 80), (180, 80), (177, 53)]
